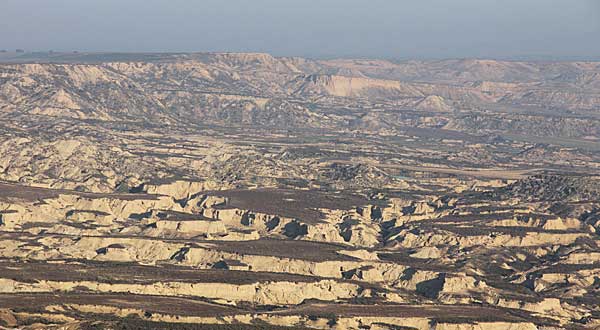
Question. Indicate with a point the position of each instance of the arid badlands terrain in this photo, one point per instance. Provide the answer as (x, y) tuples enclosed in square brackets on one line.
[(244, 191)]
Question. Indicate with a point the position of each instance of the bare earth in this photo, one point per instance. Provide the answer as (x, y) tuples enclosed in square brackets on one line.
[(244, 191)]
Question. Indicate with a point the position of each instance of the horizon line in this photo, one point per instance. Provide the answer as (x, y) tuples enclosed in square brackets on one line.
[(22, 53)]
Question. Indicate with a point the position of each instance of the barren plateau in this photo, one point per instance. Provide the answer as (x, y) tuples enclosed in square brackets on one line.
[(246, 191)]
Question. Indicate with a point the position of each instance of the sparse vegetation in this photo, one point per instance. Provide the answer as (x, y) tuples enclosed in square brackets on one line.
[(245, 191)]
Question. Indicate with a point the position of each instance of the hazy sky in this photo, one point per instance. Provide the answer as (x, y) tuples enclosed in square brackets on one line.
[(314, 28)]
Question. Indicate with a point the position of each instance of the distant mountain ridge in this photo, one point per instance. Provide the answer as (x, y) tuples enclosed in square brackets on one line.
[(480, 96)]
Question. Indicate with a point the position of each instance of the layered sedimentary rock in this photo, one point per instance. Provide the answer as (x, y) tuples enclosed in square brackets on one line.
[(244, 191)]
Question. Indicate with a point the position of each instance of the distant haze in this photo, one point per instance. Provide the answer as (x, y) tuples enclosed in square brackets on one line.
[(544, 29)]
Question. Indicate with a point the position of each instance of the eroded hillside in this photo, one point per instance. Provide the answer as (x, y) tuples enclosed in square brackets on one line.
[(244, 191)]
